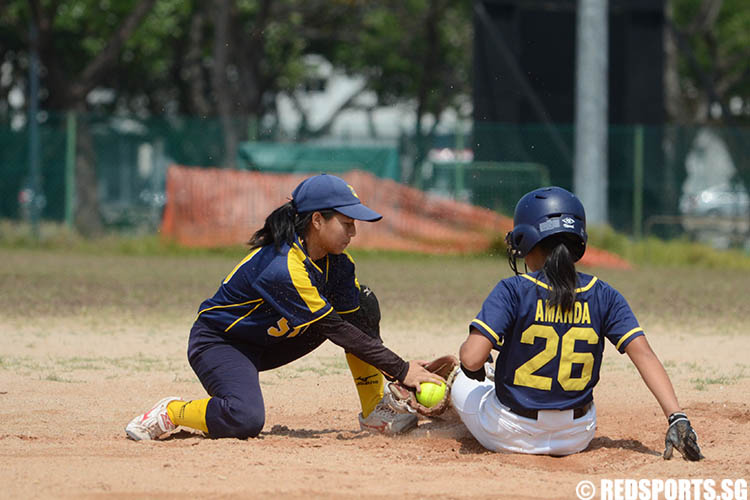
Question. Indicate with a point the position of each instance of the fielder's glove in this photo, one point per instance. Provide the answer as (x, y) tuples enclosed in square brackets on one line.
[(403, 398), (681, 435)]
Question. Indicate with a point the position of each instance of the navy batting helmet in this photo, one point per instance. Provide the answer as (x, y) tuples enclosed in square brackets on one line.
[(542, 213)]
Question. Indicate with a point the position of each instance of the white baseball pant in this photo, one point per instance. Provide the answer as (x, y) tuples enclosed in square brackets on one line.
[(554, 432)]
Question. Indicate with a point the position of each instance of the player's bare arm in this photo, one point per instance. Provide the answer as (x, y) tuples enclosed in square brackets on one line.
[(653, 374), (474, 350)]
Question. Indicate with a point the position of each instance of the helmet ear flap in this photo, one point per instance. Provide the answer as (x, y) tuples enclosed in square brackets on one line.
[(522, 239), (511, 241), (512, 252)]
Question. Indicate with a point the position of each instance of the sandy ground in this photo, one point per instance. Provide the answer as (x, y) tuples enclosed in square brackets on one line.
[(66, 395)]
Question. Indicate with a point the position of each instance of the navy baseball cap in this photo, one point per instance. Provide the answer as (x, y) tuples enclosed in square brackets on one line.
[(324, 191)]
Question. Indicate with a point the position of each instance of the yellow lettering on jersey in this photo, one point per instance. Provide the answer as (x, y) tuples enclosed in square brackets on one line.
[(586, 319), (568, 316), (569, 356), (524, 374), (539, 316), (577, 312), (558, 314), (282, 328), (549, 315)]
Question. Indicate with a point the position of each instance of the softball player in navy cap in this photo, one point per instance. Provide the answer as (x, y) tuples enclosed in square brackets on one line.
[(295, 289), (549, 326)]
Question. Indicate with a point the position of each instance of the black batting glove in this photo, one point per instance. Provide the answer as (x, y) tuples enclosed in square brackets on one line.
[(681, 435)]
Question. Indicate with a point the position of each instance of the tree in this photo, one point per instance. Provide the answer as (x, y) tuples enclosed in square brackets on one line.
[(415, 50), (709, 80), (712, 38), (256, 53), (76, 57)]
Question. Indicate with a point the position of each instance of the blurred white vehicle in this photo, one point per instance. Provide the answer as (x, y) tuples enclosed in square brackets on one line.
[(721, 200)]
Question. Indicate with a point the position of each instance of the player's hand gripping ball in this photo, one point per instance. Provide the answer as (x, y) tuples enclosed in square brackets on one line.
[(430, 393), (432, 399)]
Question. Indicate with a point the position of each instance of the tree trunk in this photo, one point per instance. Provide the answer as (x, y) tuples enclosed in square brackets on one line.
[(88, 219), (68, 91), (252, 51), (221, 87), (198, 103), (425, 81)]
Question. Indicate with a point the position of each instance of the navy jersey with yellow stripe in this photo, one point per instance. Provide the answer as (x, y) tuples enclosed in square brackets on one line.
[(549, 358), (272, 295)]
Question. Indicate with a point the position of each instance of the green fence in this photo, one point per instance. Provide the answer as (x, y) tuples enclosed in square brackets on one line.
[(661, 180), (494, 185), (667, 181), (382, 161), (130, 157)]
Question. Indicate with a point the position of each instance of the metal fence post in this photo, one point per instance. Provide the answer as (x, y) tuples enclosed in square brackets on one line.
[(638, 182), (36, 185), (70, 168), (590, 176)]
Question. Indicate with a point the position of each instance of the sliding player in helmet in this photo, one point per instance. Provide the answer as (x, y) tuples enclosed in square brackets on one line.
[(549, 326)]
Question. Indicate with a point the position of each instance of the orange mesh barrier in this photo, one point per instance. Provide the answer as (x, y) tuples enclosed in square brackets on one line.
[(216, 207)]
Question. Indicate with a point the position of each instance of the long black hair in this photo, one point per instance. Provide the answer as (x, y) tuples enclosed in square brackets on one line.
[(560, 269), (283, 224)]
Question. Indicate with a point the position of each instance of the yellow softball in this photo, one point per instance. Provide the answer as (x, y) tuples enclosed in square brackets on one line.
[(430, 394)]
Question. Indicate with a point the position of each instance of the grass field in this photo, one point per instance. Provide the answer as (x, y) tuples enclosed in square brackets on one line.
[(90, 339), (156, 291)]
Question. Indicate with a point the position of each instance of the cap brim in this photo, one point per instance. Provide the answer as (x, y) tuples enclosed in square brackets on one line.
[(359, 212)]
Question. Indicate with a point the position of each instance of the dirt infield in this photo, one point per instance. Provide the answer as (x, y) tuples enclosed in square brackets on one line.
[(90, 341)]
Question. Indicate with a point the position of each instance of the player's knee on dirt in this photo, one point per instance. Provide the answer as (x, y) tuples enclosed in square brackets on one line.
[(367, 317), (240, 419)]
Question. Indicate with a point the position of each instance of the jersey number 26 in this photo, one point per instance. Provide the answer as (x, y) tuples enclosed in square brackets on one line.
[(525, 373)]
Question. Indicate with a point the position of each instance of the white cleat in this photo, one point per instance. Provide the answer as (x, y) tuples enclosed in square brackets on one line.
[(385, 420), (153, 424)]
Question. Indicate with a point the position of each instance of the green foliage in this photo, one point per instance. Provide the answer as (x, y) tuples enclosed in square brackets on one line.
[(719, 44), (395, 50), (673, 253), (606, 238), (154, 48), (676, 253)]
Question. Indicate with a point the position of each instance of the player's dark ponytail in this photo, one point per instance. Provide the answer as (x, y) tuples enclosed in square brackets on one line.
[(560, 269), (282, 224)]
